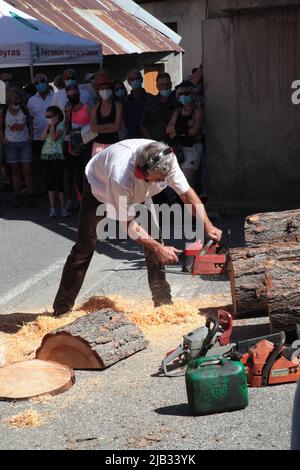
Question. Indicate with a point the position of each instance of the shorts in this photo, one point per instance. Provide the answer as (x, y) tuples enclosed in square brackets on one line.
[(192, 157), (18, 152)]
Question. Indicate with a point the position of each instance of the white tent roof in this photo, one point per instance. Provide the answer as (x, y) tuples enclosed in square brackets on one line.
[(25, 41)]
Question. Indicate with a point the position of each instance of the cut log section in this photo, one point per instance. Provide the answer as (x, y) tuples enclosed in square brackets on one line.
[(95, 341), (27, 379), (283, 281), (247, 274), (272, 226)]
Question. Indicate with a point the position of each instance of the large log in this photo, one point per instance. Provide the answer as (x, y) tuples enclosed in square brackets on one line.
[(283, 293), (272, 226), (95, 341), (247, 274)]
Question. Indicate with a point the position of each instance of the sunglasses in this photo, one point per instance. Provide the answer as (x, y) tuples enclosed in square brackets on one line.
[(185, 94), (16, 103), (40, 81), (117, 89)]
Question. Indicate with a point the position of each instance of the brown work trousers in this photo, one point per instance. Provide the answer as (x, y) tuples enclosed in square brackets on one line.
[(82, 252)]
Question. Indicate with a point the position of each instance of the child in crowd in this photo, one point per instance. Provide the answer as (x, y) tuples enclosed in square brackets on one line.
[(53, 158)]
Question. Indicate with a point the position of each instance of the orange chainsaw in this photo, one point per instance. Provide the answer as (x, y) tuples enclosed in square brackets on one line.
[(268, 360)]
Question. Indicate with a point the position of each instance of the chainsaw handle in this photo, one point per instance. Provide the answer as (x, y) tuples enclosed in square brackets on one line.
[(211, 334), (271, 359), (170, 358)]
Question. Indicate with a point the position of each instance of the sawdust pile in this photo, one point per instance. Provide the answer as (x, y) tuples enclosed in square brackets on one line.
[(27, 418), (23, 344)]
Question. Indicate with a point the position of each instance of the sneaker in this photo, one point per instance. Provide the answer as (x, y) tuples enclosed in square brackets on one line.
[(64, 212), (18, 200), (52, 213)]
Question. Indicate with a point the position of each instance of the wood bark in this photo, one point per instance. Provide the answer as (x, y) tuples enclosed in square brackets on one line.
[(266, 227), (95, 341), (247, 274), (283, 293)]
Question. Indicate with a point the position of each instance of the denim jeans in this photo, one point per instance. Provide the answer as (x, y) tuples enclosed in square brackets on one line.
[(81, 254)]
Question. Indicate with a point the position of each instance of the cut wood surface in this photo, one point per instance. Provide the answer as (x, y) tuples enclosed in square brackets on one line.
[(283, 293), (247, 274), (27, 379), (272, 226), (95, 341)]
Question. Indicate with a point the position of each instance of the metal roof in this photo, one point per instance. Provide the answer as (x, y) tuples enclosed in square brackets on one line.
[(103, 21)]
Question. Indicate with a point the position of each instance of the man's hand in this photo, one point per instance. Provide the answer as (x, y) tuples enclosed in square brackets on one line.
[(213, 233), (166, 254)]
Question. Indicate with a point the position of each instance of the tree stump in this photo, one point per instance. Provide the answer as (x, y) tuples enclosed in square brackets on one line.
[(283, 281), (95, 341), (281, 226), (247, 274)]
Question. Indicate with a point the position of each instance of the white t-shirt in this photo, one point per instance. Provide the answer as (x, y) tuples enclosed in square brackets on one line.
[(10, 120), (111, 175), (60, 98), (37, 107)]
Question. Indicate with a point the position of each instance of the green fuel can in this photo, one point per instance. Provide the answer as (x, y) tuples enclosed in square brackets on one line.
[(215, 384)]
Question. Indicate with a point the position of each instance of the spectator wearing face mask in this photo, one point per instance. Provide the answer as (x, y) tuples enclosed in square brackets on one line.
[(134, 104), (53, 158), (93, 86), (15, 135), (185, 130), (78, 115), (60, 98), (37, 106), (158, 110), (106, 117)]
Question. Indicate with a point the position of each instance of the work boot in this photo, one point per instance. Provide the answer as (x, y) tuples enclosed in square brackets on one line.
[(161, 302), (58, 312)]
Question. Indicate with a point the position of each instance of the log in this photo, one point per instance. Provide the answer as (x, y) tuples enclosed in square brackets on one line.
[(95, 341), (283, 281), (266, 227), (27, 379), (247, 274)]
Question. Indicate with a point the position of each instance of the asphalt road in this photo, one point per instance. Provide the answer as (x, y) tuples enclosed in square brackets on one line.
[(125, 406)]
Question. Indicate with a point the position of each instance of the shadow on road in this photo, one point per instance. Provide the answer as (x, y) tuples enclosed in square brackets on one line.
[(175, 410), (13, 322)]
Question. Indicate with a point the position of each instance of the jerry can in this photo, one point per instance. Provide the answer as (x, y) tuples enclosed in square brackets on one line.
[(215, 384)]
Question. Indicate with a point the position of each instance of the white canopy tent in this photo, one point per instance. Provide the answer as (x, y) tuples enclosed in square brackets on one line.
[(26, 41)]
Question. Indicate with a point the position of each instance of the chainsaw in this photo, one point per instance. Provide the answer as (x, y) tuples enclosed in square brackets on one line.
[(210, 259), (268, 360), (197, 343)]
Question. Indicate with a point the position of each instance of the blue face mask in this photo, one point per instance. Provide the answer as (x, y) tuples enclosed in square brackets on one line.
[(136, 84), (70, 81), (120, 92), (41, 87), (165, 93), (185, 99)]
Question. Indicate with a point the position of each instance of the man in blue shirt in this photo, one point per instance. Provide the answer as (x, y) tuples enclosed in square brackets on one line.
[(134, 105)]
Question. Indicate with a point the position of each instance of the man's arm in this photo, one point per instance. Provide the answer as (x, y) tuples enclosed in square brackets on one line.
[(190, 197), (165, 254)]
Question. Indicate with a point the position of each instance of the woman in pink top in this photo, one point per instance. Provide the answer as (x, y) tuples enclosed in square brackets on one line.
[(78, 115)]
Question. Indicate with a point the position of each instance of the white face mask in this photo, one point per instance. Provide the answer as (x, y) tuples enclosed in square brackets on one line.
[(105, 94), (49, 121)]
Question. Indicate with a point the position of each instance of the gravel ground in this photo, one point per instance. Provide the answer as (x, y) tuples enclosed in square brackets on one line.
[(125, 406)]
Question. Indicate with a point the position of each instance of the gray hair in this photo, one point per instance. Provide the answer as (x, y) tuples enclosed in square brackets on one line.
[(39, 76), (151, 158)]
